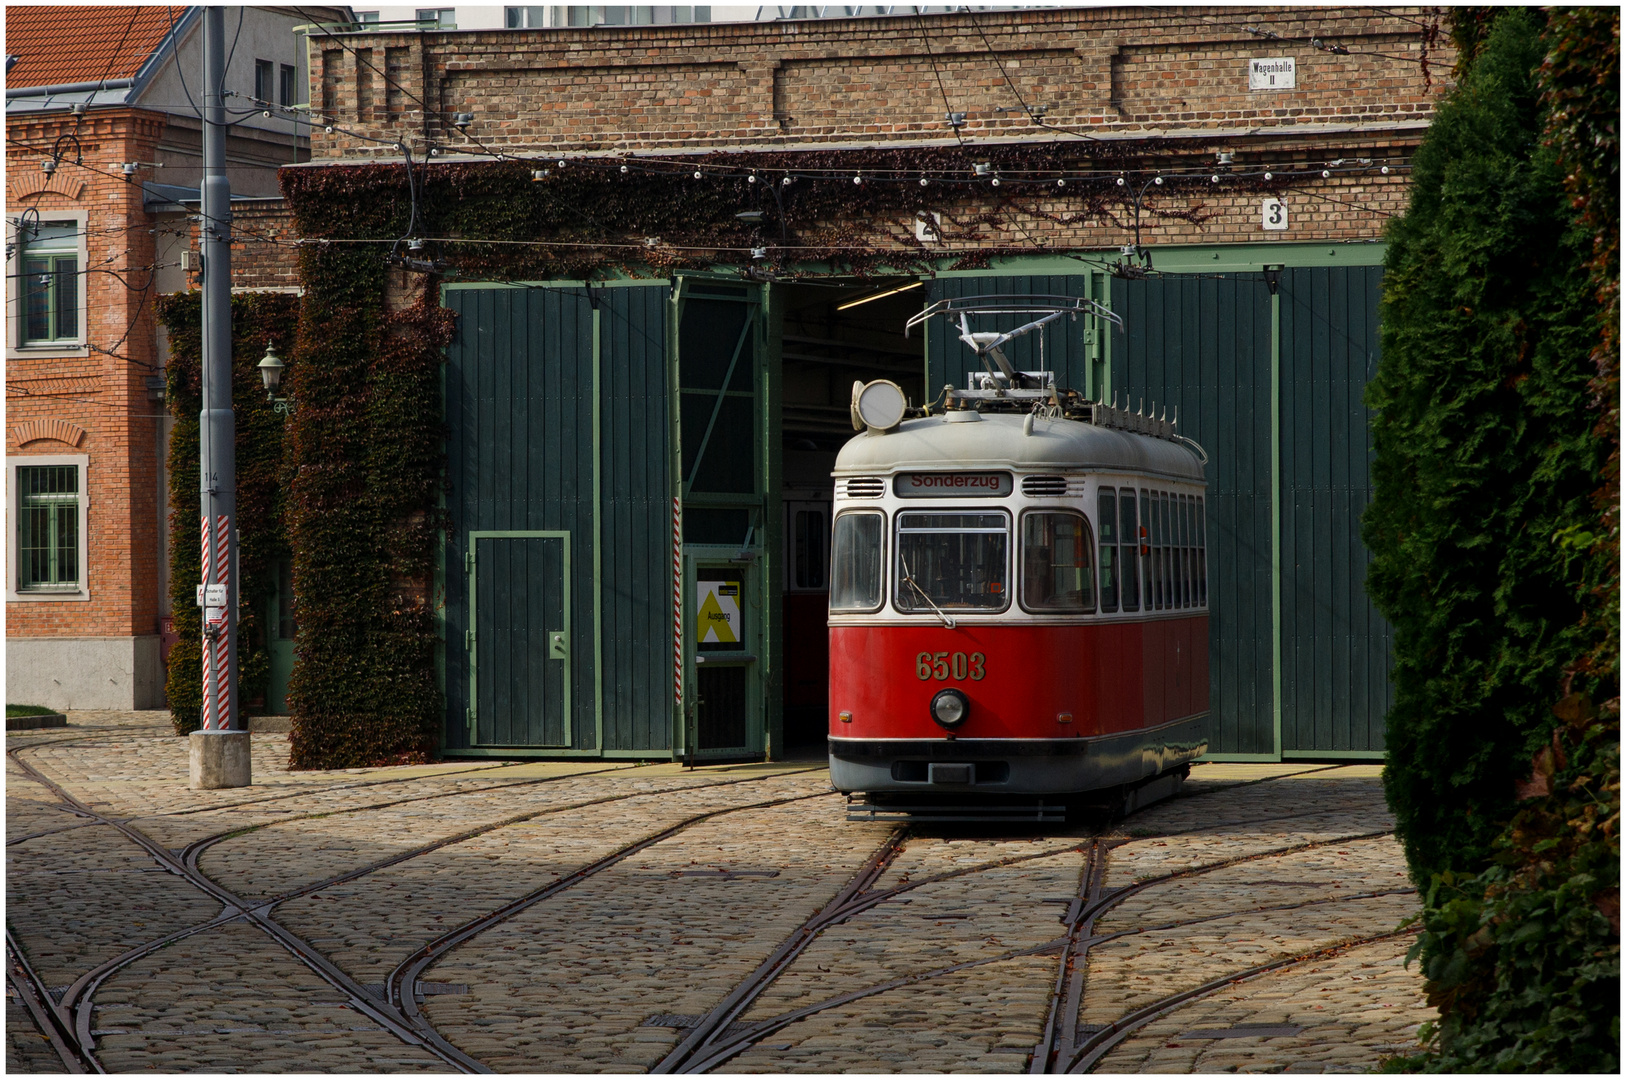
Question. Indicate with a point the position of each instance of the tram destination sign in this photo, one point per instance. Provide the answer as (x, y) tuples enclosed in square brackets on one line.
[(937, 485)]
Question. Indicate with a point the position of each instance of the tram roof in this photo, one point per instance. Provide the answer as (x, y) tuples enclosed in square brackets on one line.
[(997, 441)]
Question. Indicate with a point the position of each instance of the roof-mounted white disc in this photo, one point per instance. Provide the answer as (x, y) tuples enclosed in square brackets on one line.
[(879, 404)]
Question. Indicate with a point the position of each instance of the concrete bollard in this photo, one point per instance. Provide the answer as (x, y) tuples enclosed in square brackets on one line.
[(220, 759)]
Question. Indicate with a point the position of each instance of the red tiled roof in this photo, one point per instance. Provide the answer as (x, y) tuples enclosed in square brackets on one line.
[(70, 43)]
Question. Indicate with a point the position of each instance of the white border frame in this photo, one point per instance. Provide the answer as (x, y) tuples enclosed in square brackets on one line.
[(13, 507), (14, 309)]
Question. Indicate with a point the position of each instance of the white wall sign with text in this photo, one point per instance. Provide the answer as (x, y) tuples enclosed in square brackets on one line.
[(1273, 214), (1273, 73)]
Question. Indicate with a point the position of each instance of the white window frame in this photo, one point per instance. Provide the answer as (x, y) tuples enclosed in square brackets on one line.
[(526, 24), (14, 294), (14, 522)]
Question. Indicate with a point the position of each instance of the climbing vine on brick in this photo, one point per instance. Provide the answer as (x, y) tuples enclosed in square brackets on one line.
[(257, 318), (587, 218), (365, 462)]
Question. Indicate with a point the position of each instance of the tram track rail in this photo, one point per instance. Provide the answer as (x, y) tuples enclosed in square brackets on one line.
[(710, 1044), (1098, 1045), (1071, 946), (719, 1035), (35, 998), (73, 1015)]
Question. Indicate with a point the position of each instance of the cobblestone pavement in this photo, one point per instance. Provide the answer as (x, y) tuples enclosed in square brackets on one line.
[(624, 917)]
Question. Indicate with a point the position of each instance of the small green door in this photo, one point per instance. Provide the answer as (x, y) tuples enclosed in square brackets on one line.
[(280, 640), (520, 650), (727, 706)]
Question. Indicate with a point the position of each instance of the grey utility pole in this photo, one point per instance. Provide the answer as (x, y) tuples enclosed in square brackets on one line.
[(219, 752)]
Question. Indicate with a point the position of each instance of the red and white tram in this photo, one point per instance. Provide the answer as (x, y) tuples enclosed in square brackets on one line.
[(1018, 604)]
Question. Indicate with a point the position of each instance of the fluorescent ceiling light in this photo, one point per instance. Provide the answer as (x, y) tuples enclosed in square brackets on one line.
[(879, 295)]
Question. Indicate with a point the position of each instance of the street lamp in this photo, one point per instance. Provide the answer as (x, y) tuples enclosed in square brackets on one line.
[(271, 368)]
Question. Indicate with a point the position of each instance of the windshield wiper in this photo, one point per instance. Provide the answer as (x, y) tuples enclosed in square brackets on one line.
[(910, 578)]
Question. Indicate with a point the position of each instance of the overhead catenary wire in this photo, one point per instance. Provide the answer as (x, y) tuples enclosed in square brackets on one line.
[(175, 57), (925, 40), (1317, 43), (1036, 118)]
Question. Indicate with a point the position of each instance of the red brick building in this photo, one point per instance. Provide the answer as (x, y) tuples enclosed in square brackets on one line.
[(103, 151)]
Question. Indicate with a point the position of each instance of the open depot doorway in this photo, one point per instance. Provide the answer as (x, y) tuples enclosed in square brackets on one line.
[(831, 336)]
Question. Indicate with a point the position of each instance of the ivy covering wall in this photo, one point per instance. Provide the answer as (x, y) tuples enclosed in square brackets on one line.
[(1495, 544), (257, 319), (364, 452)]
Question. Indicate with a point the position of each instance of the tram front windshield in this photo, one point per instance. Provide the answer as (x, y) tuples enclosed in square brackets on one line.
[(952, 561)]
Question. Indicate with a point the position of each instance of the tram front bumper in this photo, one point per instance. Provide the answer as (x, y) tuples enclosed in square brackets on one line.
[(1015, 766)]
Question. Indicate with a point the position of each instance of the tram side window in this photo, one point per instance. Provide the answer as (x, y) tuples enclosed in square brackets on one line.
[(1160, 541), (1183, 522), (1108, 519), (1129, 563), (1202, 551), (952, 561), (856, 563), (1148, 550), (1191, 545), (1057, 574), (1177, 539), (1182, 580)]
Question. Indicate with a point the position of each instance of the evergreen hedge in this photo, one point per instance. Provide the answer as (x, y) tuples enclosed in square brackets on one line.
[(1494, 529), (257, 318), (1485, 452)]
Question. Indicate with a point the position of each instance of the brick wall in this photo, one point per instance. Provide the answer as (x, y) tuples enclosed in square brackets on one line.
[(94, 401), (1166, 86), (1117, 71)]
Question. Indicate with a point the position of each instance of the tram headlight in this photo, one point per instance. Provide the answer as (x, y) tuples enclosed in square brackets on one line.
[(950, 708), (878, 405)]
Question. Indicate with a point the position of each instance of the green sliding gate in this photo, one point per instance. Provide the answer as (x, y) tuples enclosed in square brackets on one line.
[(558, 567), (610, 456), (1270, 384)]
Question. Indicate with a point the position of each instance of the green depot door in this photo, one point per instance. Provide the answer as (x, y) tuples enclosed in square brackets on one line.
[(280, 640), (520, 651), (725, 712)]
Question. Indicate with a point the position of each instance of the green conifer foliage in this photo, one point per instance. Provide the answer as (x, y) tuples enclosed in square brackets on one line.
[(1486, 453), (1497, 538)]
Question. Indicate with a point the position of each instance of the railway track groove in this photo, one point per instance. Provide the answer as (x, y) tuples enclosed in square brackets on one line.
[(1072, 946), (1098, 1045), (719, 1035), (751, 987), (233, 908), (35, 998)]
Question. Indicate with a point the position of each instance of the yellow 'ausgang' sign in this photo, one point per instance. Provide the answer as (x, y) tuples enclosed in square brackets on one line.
[(717, 608)]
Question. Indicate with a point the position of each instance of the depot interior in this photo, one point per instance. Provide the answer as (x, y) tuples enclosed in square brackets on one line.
[(832, 336)]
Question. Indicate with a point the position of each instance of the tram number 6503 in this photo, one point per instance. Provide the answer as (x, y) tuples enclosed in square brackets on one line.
[(940, 665)]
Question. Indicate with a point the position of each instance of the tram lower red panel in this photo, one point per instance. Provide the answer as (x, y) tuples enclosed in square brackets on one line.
[(1110, 676)]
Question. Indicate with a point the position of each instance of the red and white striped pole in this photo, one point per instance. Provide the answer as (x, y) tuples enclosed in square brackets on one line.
[(677, 624)]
